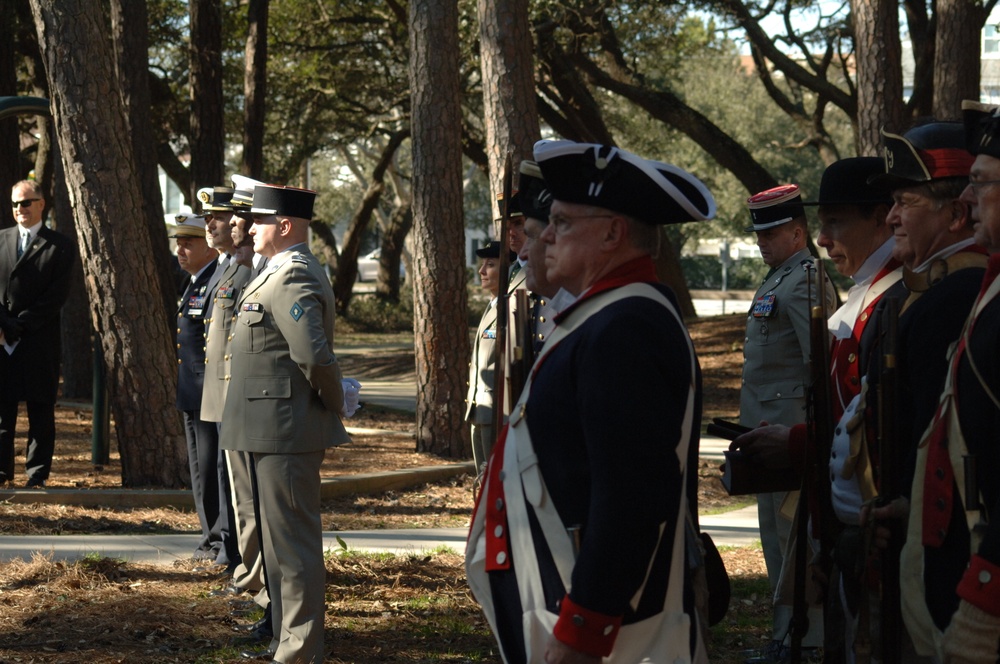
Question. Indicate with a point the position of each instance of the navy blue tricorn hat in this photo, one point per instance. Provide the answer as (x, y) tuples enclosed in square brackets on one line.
[(534, 198), (611, 178), (982, 128), (929, 152)]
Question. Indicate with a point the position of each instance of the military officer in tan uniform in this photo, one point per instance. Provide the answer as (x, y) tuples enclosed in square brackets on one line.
[(776, 366), (285, 404), (479, 400)]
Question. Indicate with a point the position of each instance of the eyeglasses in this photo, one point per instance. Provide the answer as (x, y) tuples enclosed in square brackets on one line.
[(561, 224), (977, 185), (25, 203)]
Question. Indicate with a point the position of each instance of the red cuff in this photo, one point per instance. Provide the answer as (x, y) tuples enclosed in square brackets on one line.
[(798, 436), (589, 632), (980, 586)]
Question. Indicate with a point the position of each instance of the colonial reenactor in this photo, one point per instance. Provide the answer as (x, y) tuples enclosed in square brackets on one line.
[(534, 200), (950, 567), (858, 240), (284, 407), (573, 479), (776, 376), (926, 170)]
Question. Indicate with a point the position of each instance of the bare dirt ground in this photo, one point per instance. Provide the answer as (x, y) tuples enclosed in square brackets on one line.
[(379, 608)]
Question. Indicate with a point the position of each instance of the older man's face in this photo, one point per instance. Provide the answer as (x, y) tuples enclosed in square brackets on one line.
[(573, 245), (532, 254), (983, 197)]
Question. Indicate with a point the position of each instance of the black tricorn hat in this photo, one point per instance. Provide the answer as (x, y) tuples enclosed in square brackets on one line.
[(216, 199), (982, 128), (515, 206), (534, 199), (492, 250), (774, 207), (850, 182), (283, 201), (928, 152), (611, 178)]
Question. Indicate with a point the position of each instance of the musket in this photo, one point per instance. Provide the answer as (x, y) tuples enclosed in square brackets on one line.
[(503, 305), (523, 349), (815, 485), (889, 463)]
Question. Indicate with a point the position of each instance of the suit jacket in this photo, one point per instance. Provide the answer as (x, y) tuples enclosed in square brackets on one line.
[(482, 368), (33, 289), (218, 328), (285, 393), (776, 347), (191, 340)]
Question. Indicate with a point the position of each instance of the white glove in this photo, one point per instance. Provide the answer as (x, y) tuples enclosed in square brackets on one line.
[(352, 391), (972, 636)]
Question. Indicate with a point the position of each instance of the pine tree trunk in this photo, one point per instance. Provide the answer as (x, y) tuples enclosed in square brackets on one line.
[(957, 61), (508, 85), (880, 78), (441, 336), (255, 89), (207, 102), (104, 193), (131, 36)]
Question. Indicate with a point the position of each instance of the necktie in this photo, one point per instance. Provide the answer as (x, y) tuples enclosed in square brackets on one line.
[(514, 269), (23, 244)]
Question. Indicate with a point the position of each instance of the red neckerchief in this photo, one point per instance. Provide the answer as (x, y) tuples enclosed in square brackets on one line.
[(939, 475), (641, 269), (845, 377)]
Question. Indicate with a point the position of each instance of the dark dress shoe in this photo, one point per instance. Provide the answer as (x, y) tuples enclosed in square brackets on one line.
[(34, 483), (262, 626), (264, 655)]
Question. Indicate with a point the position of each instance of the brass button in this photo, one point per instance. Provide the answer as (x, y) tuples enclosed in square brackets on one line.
[(852, 357), (501, 558), (498, 531)]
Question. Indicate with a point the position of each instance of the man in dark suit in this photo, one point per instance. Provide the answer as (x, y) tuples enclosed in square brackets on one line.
[(199, 260), (35, 264), (284, 406)]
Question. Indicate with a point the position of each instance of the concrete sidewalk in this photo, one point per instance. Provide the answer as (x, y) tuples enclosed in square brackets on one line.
[(736, 528)]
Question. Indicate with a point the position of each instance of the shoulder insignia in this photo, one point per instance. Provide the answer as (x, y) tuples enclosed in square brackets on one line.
[(296, 311), (299, 258)]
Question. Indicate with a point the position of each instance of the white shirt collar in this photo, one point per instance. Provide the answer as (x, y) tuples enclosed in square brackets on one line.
[(31, 231), (947, 252), (874, 263)]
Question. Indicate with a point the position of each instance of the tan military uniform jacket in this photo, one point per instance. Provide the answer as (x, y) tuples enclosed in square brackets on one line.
[(776, 347), (479, 400), (218, 331), (285, 393)]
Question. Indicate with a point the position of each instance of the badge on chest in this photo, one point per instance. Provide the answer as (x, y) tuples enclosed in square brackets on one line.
[(765, 306)]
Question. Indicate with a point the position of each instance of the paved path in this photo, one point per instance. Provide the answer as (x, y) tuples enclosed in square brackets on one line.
[(737, 528)]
